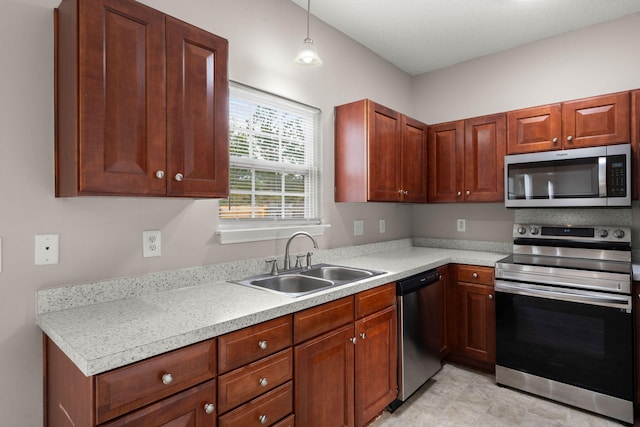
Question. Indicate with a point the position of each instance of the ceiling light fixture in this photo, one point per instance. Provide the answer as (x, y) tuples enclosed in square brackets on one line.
[(308, 54)]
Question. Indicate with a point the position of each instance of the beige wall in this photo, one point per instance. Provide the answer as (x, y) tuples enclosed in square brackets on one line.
[(101, 237), (602, 59)]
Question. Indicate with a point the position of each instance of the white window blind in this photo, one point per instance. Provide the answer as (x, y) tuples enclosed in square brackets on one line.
[(274, 146)]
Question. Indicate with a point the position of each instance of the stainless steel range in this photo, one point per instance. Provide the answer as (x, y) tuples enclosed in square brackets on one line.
[(564, 327)]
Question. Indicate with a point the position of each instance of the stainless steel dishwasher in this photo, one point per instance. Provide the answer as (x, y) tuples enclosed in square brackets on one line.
[(419, 332)]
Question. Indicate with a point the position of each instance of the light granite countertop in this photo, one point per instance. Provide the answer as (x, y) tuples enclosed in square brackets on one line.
[(106, 335)]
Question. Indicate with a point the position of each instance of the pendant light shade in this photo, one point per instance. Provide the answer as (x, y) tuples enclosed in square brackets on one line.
[(308, 54)]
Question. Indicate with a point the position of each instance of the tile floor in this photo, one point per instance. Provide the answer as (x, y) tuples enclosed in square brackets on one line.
[(457, 396)]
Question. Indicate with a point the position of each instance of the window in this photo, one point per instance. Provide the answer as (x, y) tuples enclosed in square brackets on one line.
[(274, 146)]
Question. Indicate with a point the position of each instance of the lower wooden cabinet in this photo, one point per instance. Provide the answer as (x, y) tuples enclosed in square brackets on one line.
[(347, 376), (192, 408), (636, 343), (474, 338)]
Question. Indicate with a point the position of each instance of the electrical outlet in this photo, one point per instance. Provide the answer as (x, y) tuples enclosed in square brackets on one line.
[(462, 225), (383, 226), (47, 249), (0, 255), (358, 227), (151, 243)]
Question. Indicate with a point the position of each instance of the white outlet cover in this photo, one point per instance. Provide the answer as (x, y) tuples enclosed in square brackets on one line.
[(47, 249), (383, 226), (358, 227), (462, 225), (151, 243)]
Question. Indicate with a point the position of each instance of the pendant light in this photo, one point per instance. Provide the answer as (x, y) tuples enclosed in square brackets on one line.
[(308, 54)]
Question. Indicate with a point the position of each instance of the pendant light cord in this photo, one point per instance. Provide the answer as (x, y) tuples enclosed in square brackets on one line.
[(308, 13)]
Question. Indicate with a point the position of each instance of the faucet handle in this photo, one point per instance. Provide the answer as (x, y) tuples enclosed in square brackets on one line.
[(309, 259), (274, 266), (299, 260)]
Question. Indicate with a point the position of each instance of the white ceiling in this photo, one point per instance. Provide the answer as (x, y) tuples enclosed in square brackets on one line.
[(423, 35)]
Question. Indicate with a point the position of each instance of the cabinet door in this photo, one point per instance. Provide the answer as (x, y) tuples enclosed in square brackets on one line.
[(191, 408), (635, 142), (534, 129), (601, 120), (484, 150), (376, 364), (385, 135), (636, 338), (324, 380), (477, 337), (414, 161), (121, 111), (445, 148), (197, 112)]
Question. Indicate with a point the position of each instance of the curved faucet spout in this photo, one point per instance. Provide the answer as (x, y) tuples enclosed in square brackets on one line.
[(286, 250)]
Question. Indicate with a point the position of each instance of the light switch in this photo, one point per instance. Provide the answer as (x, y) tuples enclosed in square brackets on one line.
[(358, 227)]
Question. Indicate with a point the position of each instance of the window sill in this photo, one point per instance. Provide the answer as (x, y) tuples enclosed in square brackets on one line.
[(230, 235)]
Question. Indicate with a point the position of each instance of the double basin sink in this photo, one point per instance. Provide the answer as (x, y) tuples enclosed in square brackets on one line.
[(303, 281)]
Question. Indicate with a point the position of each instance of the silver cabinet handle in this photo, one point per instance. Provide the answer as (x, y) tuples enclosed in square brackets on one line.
[(459, 194), (159, 174), (490, 296), (179, 177), (363, 336), (474, 275), (468, 192), (353, 340), (209, 408), (554, 140), (400, 191), (167, 379), (262, 419), (406, 192), (262, 344), (263, 382), (570, 138)]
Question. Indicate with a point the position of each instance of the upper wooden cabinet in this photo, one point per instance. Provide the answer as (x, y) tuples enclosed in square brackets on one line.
[(600, 120), (380, 155), (635, 142), (466, 160), (141, 103)]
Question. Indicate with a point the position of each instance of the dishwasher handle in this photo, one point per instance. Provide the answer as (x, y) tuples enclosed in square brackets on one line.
[(417, 282)]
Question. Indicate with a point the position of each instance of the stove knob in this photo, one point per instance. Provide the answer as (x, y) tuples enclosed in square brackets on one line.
[(618, 234), (534, 230), (603, 233), (521, 230)]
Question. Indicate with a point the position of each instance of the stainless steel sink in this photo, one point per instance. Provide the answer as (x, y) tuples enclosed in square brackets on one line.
[(292, 284), (338, 273), (303, 281)]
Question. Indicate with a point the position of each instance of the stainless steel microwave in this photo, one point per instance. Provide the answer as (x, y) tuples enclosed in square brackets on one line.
[(597, 176)]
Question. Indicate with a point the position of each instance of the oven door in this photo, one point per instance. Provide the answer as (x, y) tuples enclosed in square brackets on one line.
[(575, 337)]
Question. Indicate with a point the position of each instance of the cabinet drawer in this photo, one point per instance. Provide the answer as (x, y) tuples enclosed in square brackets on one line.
[(255, 342), (243, 384), (475, 274), (191, 404), (318, 320), (125, 389), (376, 299), (287, 422), (265, 410)]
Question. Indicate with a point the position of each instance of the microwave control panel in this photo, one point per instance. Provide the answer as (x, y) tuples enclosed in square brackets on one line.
[(616, 176)]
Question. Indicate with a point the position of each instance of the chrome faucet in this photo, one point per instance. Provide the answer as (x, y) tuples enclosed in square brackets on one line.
[(287, 262)]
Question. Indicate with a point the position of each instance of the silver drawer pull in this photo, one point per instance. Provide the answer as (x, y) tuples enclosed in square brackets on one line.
[(167, 379), (363, 336), (209, 408), (262, 344), (262, 419), (263, 382), (474, 275)]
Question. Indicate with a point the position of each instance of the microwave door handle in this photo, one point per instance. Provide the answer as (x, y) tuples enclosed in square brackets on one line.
[(602, 176)]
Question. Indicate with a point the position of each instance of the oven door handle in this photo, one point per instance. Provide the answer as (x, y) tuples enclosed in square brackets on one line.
[(621, 301)]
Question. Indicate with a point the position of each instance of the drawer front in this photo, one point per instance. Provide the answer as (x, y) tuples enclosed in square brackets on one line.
[(245, 383), (195, 405), (287, 422), (376, 299), (475, 274), (130, 387), (255, 342), (323, 318), (265, 410)]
